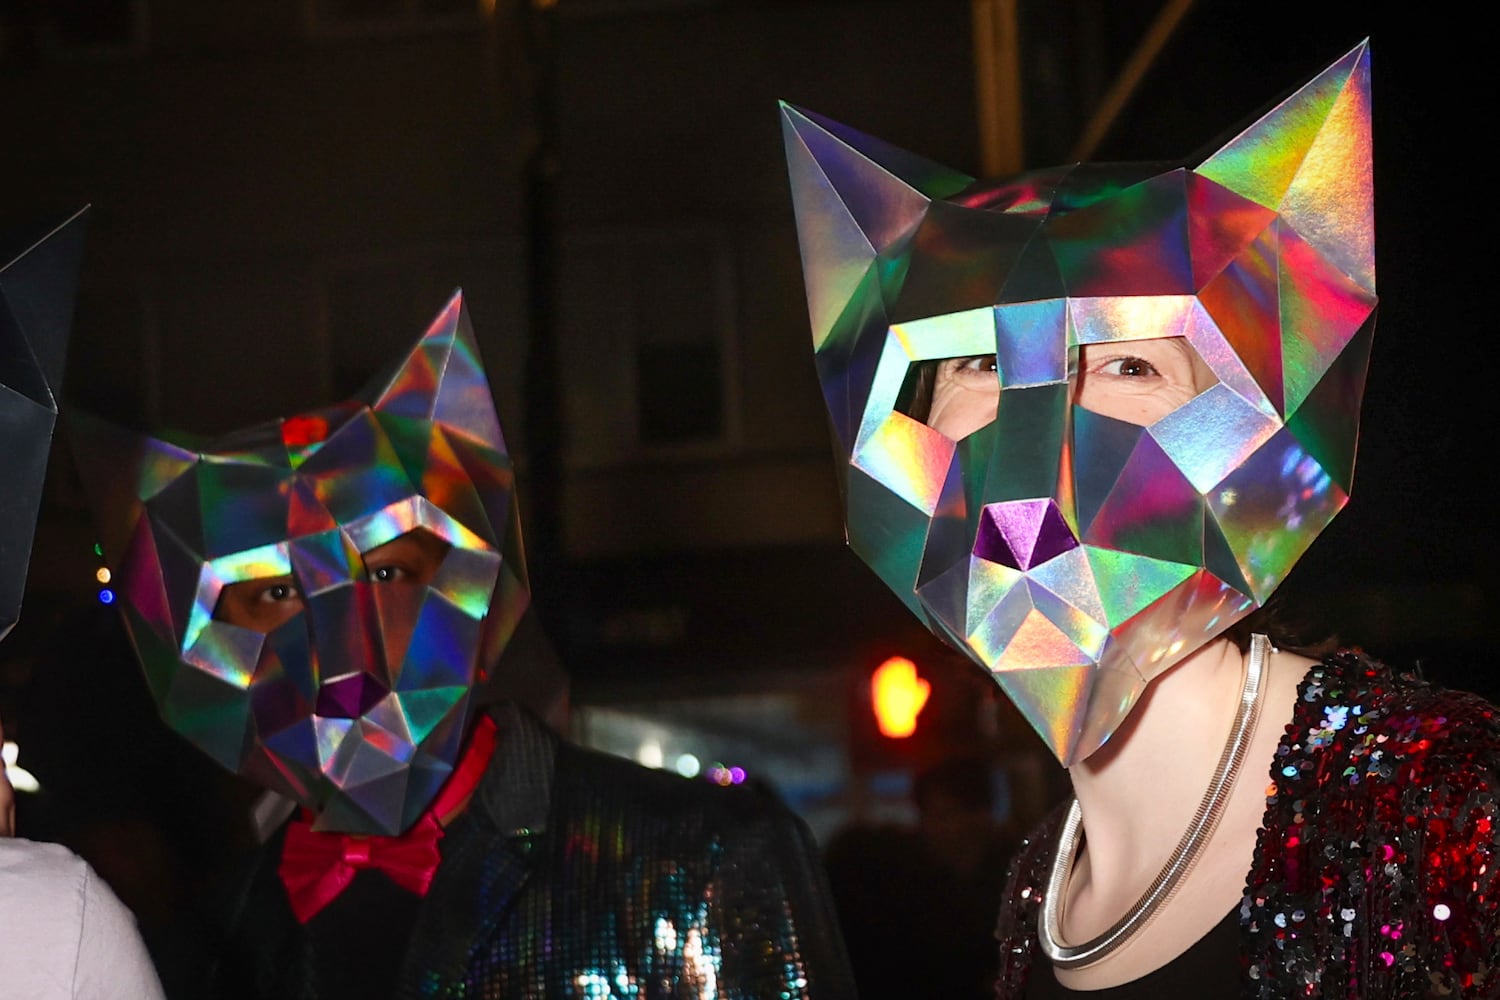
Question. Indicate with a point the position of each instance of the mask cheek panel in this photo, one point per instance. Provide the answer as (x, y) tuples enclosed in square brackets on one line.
[(441, 651), (209, 702)]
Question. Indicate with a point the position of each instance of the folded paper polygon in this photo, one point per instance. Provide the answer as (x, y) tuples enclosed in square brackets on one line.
[(353, 707), (1074, 556), (38, 284)]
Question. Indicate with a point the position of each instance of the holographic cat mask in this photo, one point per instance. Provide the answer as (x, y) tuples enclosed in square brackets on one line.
[(1072, 554), (354, 696), (37, 286)]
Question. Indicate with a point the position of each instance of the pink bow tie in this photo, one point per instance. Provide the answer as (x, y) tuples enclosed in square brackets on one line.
[(316, 867)]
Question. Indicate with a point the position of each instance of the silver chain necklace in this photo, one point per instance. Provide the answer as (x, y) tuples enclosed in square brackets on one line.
[(1205, 820)]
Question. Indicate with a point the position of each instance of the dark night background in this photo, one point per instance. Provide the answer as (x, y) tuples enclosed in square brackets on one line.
[(285, 191)]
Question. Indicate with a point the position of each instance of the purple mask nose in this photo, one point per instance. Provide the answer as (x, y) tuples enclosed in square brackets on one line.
[(1023, 533), (349, 697)]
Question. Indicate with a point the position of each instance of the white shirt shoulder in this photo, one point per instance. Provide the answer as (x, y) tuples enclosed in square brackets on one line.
[(63, 934)]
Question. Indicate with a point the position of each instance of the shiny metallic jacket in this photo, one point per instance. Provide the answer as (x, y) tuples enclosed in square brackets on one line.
[(1377, 873), (580, 875)]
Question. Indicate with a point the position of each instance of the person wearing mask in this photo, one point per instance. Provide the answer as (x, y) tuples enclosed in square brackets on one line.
[(319, 603), (1090, 416)]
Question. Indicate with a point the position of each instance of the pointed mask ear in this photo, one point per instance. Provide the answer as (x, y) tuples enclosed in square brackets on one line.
[(443, 380), (120, 470), (854, 197), (37, 290), (38, 282), (1309, 159)]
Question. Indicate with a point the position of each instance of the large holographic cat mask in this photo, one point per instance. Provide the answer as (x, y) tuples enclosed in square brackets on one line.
[(1072, 555), (356, 706), (37, 286)]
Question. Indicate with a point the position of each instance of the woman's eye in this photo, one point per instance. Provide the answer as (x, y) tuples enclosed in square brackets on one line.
[(387, 574), (1129, 367), (979, 363)]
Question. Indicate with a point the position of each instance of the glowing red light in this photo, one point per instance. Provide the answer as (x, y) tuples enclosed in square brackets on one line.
[(303, 430), (899, 695)]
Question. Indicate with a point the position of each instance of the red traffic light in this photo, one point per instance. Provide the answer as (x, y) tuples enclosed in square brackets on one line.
[(898, 695)]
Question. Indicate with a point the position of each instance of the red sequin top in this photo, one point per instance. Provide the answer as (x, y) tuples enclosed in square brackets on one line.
[(1375, 872)]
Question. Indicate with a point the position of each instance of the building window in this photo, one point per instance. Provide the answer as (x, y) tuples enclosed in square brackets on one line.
[(646, 344), (679, 342)]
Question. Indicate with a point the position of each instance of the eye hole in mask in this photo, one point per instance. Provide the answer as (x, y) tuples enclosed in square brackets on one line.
[(1137, 381), (264, 604), (953, 396), (1140, 381)]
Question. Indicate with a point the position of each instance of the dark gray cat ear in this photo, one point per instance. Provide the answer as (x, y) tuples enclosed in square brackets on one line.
[(37, 290), (443, 380), (854, 196), (38, 283), (1309, 159)]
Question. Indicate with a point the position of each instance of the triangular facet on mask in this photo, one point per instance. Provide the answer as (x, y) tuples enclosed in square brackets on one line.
[(885, 188), (1321, 311), (120, 470), (38, 280), (442, 380), (1309, 158), (855, 197), (38, 284)]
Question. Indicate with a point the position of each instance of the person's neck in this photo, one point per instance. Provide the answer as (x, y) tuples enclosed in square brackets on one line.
[(1140, 791)]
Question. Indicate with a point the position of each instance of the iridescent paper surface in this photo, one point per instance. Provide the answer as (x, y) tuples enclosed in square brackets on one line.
[(357, 705), (37, 287), (1073, 555)]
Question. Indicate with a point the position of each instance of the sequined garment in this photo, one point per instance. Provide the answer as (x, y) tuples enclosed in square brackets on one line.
[(1375, 873), (575, 874)]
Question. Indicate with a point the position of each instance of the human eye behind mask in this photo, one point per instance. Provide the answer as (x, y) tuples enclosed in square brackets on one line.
[(954, 396), (1137, 381), (262, 604), (408, 562), (1140, 381)]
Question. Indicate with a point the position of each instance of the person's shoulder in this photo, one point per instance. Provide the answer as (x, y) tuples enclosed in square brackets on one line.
[(1394, 721), (61, 926), (1383, 747), (31, 864), (1038, 843), (1026, 882), (1026, 878)]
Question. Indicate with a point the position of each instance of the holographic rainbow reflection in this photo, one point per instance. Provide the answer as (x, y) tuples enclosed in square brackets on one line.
[(356, 706), (1157, 537)]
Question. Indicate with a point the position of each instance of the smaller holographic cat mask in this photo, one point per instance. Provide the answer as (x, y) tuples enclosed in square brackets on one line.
[(37, 288), (375, 549), (1073, 554)]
